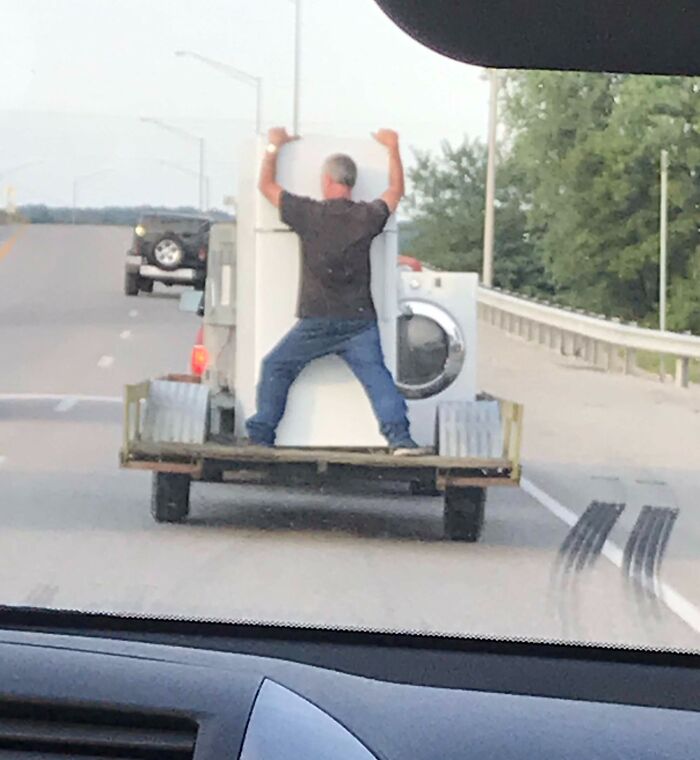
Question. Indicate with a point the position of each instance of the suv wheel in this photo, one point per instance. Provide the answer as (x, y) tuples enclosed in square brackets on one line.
[(168, 253), (131, 283)]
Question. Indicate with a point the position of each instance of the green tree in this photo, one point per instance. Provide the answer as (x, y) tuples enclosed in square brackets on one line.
[(447, 210), (588, 146)]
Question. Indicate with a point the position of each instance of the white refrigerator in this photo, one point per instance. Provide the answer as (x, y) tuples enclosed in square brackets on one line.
[(327, 406)]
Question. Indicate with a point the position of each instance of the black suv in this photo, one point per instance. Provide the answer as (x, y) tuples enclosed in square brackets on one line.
[(167, 248)]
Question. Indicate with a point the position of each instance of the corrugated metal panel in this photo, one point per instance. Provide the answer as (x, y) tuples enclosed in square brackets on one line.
[(176, 412), (470, 429)]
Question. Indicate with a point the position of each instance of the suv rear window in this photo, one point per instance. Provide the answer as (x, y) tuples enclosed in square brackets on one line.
[(178, 225)]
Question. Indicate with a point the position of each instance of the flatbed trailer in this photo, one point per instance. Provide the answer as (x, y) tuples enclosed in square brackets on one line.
[(461, 480)]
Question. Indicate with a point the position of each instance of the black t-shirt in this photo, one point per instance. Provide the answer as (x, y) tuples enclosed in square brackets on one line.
[(335, 264)]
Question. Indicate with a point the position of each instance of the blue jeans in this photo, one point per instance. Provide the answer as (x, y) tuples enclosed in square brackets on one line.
[(354, 340)]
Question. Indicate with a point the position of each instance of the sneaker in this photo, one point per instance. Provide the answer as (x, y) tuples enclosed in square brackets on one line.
[(411, 449), (251, 444)]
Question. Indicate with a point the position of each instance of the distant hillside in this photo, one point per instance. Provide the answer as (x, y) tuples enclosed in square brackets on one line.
[(120, 215)]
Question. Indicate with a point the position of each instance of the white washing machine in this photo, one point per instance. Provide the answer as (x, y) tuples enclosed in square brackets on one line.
[(436, 344), (327, 406)]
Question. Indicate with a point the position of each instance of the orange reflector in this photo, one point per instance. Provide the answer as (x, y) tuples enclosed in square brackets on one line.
[(199, 360)]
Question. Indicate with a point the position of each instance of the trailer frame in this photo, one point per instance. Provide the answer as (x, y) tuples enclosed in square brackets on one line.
[(462, 481)]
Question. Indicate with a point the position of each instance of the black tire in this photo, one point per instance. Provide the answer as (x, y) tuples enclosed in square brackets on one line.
[(170, 242), (424, 488), (170, 498), (131, 283), (464, 513), (146, 285), (212, 474)]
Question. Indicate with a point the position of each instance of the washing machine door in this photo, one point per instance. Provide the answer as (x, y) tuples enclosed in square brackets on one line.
[(430, 350)]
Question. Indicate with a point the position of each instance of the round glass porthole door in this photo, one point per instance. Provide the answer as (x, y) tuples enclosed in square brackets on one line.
[(430, 351)]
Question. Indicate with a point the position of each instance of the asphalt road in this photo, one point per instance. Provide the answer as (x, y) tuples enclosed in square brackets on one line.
[(75, 531)]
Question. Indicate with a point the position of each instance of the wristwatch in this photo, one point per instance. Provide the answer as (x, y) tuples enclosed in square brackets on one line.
[(272, 149)]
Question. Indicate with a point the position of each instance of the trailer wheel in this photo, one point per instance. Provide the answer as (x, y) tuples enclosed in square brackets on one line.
[(170, 498), (464, 513), (211, 473)]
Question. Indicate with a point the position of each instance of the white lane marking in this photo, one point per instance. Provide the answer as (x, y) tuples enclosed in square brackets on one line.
[(65, 404), (104, 362), (125, 334), (2, 460), (59, 397), (676, 602), (134, 313)]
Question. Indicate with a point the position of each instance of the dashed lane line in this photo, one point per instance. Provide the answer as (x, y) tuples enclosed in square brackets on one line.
[(125, 334), (682, 607), (7, 245), (59, 397), (66, 403), (676, 602), (105, 362)]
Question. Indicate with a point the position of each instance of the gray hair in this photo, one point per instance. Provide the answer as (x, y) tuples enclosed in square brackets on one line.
[(341, 169)]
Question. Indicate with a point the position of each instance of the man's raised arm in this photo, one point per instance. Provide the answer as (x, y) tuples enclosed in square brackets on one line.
[(394, 193), (267, 184)]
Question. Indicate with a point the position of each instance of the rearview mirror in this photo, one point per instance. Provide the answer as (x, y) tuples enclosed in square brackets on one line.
[(192, 301)]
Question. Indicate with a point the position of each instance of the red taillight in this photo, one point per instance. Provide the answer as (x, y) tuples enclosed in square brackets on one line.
[(199, 360), (409, 264)]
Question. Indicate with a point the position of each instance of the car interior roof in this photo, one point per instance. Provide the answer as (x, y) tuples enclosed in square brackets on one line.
[(625, 36)]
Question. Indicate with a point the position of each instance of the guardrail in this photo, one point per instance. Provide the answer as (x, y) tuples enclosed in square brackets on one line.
[(610, 343)]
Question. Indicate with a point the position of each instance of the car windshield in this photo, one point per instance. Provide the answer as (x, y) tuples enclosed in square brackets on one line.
[(381, 341)]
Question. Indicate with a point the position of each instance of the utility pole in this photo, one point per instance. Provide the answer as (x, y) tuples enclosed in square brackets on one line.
[(663, 239), (297, 66), (489, 211), (663, 250)]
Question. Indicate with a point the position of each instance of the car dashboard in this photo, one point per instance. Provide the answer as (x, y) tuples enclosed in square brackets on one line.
[(78, 696)]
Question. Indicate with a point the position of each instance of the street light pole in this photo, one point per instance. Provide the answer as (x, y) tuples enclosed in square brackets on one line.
[(234, 73), (202, 184), (489, 213), (185, 170), (184, 133), (297, 66), (258, 105), (17, 167)]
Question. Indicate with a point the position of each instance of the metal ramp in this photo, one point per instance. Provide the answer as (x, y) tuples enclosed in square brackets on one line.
[(175, 412), (470, 429)]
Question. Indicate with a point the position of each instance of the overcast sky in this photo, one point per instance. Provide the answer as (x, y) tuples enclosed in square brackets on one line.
[(77, 75)]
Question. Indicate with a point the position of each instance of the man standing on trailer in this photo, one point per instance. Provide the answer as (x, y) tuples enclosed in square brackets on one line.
[(335, 313)]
